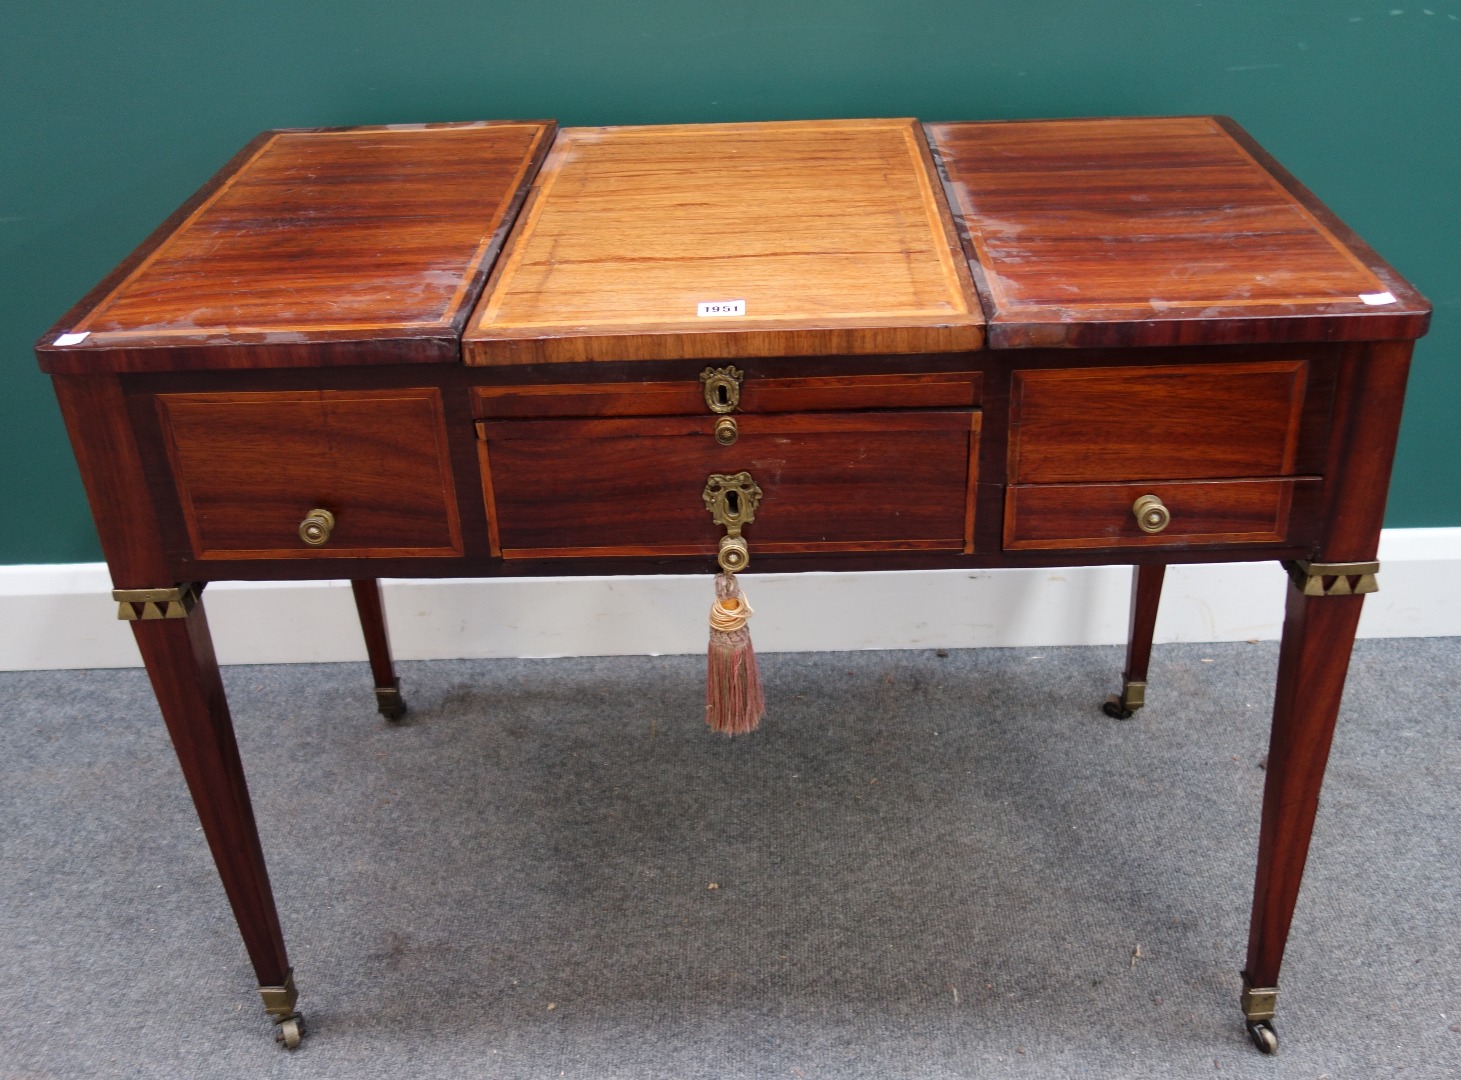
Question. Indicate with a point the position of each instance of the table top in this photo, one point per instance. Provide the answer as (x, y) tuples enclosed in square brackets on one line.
[(826, 236), (349, 245), (1157, 231), (373, 245)]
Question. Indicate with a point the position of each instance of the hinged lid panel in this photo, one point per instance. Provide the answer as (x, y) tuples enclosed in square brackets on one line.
[(1175, 230), (329, 246), (730, 240)]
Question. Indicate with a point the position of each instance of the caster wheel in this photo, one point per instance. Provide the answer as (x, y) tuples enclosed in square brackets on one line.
[(1115, 709), (291, 1031), (1263, 1036)]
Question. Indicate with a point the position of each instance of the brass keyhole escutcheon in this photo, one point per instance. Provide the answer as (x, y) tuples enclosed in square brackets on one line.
[(726, 431), (732, 502), (722, 388), (1151, 515), (315, 529)]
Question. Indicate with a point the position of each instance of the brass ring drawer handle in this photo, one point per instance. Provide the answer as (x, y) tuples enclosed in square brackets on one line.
[(734, 554), (315, 529), (1151, 515)]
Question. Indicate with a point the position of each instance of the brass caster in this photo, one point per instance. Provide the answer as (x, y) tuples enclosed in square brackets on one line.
[(1263, 1036), (1115, 708), (291, 1031), (389, 701)]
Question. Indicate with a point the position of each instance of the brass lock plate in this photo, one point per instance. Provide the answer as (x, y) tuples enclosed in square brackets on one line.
[(732, 500), (722, 388)]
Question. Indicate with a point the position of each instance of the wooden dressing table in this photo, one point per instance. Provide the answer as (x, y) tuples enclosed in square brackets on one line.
[(842, 344)]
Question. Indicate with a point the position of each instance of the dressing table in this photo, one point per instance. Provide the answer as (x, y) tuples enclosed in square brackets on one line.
[(503, 349)]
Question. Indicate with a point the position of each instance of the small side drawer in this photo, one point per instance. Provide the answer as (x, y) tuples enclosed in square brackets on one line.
[(250, 467), (1179, 422), (1202, 512)]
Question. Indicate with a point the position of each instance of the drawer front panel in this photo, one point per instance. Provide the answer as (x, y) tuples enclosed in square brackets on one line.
[(1179, 422), (955, 389), (832, 482), (250, 467), (1052, 516)]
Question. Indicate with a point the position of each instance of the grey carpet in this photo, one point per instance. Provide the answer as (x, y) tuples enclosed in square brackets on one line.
[(922, 867)]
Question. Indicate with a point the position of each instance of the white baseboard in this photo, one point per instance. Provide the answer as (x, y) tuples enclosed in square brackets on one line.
[(62, 616)]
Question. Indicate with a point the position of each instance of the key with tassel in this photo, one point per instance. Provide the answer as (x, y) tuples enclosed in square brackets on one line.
[(734, 700)]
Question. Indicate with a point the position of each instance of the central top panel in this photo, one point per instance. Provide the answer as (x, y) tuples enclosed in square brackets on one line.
[(713, 241)]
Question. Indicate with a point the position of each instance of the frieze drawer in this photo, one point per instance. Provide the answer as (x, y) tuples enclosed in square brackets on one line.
[(1172, 422), (1165, 514), (875, 481), (313, 474)]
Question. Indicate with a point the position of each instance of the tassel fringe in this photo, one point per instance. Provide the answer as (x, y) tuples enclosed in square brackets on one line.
[(734, 700)]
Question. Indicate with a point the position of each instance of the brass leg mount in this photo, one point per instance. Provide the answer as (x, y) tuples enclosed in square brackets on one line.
[(1332, 579), (1258, 1005), (145, 605), (389, 701), (279, 1003)]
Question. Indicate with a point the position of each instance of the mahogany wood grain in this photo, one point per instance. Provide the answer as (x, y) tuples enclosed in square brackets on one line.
[(115, 478), (1173, 423), (249, 467), (1155, 231), (372, 614), (834, 233), (612, 559), (1411, 301), (1363, 438), (315, 247), (945, 557), (1318, 636), (1069, 516), (952, 389), (830, 482), (181, 663), (1141, 627)]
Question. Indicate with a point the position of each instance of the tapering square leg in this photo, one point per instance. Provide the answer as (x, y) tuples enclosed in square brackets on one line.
[(1146, 594), (1318, 636), (378, 647), (172, 634)]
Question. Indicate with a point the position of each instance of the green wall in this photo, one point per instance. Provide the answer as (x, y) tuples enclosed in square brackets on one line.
[(112, 113)]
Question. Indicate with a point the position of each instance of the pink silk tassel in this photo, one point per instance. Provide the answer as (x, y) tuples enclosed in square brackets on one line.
[(734, 701)]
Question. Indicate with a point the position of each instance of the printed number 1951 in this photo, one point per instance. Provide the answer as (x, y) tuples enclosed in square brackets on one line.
[(720, 307)]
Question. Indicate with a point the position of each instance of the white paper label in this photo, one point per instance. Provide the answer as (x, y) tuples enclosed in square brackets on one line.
[(720, 308), (1375, 299), (72, 339)]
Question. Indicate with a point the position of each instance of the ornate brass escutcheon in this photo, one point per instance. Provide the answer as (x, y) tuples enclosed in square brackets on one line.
[(722, 388), (732, 502)]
